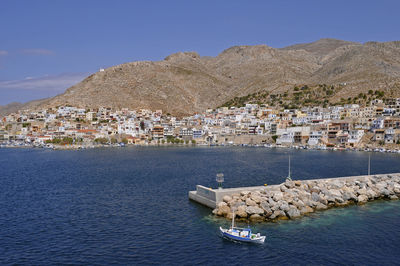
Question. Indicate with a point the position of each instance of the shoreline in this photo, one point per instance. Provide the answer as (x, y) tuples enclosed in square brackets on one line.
[(269, 146)]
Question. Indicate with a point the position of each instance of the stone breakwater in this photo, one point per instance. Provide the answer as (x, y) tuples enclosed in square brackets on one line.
[(293, 199)]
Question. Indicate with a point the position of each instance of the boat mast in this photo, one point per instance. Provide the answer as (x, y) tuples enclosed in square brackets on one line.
[(233, 219)]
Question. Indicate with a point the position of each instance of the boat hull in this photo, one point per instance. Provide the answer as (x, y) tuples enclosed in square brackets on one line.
[(226, 234)]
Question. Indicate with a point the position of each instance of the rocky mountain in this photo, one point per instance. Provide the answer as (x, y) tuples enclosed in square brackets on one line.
[(321, 47), (184, 83), (10, 108)]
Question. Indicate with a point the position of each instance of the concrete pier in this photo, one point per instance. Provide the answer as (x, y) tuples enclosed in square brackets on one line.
[(211, 197)]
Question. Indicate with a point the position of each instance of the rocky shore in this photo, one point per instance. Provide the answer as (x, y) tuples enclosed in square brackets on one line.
[(292, 199)]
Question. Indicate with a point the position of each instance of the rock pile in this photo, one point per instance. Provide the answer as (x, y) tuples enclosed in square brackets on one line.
[(293, 199)]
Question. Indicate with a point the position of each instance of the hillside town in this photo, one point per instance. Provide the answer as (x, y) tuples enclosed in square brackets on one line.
[(339, 127)]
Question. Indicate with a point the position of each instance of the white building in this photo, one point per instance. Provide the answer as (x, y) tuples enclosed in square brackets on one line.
[(315, 137), (355, 136)]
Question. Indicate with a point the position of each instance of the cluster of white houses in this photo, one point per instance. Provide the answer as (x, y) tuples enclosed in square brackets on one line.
[(341, 126)]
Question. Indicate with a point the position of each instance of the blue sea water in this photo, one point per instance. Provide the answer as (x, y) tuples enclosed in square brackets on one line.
[(130, 206)]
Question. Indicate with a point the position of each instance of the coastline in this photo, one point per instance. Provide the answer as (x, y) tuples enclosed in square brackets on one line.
[(380, 149)]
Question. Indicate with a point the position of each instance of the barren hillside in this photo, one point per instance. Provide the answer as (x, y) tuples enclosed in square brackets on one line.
[(184, 83)]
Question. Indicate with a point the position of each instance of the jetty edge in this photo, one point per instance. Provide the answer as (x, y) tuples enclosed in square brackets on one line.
[(292, 199)]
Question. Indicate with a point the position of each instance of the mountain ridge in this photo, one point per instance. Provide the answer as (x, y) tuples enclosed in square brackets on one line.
[(185, 82)]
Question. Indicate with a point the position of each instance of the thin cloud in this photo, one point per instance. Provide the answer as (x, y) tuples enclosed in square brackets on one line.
[(56, 83), (3, 53), (37, 52)]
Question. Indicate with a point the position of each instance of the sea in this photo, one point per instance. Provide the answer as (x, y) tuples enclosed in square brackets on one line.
[(130, 206)]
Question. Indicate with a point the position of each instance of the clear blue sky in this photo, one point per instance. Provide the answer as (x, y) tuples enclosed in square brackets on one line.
[(46, 46)]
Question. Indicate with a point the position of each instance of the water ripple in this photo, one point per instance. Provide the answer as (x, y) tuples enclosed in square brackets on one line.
[(130, 206)]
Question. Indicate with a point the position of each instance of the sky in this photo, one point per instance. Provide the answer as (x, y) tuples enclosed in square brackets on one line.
[(48, 46)]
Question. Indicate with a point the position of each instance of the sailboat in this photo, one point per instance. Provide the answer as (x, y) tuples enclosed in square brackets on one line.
[(241, 234)]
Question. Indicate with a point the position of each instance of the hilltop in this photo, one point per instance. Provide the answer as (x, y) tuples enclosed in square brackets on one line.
[(10, 108), (185, 82)]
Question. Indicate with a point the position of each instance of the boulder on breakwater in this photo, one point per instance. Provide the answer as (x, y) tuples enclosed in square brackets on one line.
[(297, 198)]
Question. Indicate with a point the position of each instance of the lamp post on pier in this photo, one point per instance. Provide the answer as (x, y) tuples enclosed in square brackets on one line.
[(220, 180)]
